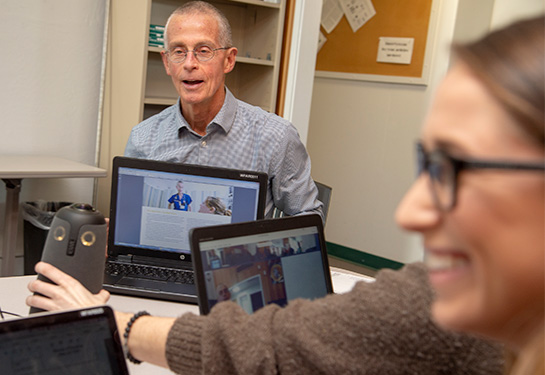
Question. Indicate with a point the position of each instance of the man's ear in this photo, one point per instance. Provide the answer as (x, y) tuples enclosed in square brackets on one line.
[(165, 61), (230, 59)]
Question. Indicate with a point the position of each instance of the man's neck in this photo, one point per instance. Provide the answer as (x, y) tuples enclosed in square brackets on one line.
[(199, 115)]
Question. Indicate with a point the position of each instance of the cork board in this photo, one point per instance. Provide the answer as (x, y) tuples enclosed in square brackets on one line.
[(353, 55)]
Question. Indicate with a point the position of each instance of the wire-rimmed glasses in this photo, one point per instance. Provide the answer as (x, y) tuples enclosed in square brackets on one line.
[(203, 53)]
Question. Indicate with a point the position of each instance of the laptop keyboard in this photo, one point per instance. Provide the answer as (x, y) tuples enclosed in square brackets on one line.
[(150, 272)]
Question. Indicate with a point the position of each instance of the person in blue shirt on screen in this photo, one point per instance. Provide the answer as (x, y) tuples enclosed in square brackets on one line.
[(180, 200)]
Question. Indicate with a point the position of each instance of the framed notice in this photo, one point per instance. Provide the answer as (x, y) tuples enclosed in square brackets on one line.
[(377, 40)]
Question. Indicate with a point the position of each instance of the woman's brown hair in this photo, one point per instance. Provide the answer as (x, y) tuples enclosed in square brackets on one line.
[(510, 63)]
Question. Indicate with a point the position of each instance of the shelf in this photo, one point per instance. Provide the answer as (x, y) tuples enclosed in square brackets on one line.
[(155, 49), (260, 3), (249, 60), (160, 101)]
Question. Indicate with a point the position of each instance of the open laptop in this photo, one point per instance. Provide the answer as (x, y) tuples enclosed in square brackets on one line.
[(154, 204), (261, 262), (76, 342)]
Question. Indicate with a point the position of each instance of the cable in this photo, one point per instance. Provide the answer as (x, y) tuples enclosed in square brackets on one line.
[(2, 312)]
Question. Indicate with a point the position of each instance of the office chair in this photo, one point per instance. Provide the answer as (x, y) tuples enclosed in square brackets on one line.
[(324, 196)]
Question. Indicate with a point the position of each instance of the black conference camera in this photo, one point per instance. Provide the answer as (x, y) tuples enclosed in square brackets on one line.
[(76, 244)]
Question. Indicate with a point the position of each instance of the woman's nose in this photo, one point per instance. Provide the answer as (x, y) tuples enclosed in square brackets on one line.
[(417, 212)]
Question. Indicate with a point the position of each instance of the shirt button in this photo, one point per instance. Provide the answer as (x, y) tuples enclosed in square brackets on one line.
[(203, 144)]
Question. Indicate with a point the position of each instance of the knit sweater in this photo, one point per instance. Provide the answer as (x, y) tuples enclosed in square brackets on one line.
[(382, 327)]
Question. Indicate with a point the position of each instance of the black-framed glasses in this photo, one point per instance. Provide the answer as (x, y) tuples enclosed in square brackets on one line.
[(203, 53), (443, 170)]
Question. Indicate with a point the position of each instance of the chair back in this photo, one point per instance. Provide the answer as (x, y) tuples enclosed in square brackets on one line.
[(324, 196)]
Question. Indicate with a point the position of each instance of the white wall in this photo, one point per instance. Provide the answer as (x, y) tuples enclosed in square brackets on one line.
[(50, 73), (361, 138), (300, 80), (506, 11)]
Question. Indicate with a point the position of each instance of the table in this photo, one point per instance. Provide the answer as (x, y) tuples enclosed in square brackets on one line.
[(13, 292), (13, 169)]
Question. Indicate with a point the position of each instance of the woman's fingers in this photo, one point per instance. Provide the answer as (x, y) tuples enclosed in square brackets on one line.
[(54, 274), (65, 293)]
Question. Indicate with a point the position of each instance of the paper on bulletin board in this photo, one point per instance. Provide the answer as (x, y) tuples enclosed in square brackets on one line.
[(395, 50), (331, 15), (357, 12)]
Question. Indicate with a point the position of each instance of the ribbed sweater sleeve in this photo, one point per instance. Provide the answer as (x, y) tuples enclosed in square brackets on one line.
[(184, 344), (378, 328)]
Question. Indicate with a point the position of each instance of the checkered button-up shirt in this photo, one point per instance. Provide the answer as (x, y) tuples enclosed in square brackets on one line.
[(241, 136)]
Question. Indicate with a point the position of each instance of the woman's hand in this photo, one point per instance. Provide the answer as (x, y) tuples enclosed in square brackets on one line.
[(67, 294)]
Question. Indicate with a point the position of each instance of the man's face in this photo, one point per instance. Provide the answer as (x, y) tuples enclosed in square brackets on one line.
[(199, 84)]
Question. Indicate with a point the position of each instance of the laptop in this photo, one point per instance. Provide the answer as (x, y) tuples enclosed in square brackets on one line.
[(76, 342), (154, 204), (261, 262)]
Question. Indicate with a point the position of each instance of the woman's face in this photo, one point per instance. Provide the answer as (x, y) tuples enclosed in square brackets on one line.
[(205, 209), (486, 255)]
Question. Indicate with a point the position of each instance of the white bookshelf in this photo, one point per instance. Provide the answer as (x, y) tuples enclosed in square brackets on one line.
[(257, 28)]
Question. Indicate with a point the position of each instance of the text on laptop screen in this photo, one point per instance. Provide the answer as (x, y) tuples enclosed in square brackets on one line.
[(156, 210), (257, 270)]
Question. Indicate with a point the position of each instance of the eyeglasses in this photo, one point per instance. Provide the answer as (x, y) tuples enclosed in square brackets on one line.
[(202, 54), (443, 171)]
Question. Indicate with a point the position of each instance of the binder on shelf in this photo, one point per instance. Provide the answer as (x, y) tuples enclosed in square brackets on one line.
[(156, 27), (156, 36)]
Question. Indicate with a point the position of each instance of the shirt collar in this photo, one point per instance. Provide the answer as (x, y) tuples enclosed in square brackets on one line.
[(225, 117)]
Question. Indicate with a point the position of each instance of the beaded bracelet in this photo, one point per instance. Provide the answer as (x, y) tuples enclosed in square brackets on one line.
[(126, 335)]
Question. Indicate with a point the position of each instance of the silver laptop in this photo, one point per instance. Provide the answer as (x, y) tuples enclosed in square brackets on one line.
[(154, 204)]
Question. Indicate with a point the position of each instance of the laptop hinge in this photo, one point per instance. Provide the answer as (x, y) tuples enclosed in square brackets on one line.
[(124, 258)]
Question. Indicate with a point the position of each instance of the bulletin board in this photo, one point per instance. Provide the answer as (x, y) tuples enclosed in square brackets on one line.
[(353, 55)]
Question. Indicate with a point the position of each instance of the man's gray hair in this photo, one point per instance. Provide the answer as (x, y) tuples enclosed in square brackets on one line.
[(202, 7)]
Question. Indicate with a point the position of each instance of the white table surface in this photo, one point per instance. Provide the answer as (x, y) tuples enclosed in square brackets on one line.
[(13, 292), (13, 169), (13, 166)]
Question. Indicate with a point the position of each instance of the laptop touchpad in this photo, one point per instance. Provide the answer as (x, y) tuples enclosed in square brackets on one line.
[(147, 284)]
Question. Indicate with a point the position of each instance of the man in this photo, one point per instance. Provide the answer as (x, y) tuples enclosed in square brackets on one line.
[(180, 201), (209, 126), (224, 294)]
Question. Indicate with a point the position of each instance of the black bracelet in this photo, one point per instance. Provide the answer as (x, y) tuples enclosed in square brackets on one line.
[(126, 335)]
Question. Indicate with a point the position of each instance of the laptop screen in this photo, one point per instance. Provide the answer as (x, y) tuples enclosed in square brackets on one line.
[(75, 342), (255, 264), (156, 203)]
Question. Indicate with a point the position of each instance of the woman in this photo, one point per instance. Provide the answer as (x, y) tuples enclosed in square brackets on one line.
[(214, 205), (479, 200), (483, 225)]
